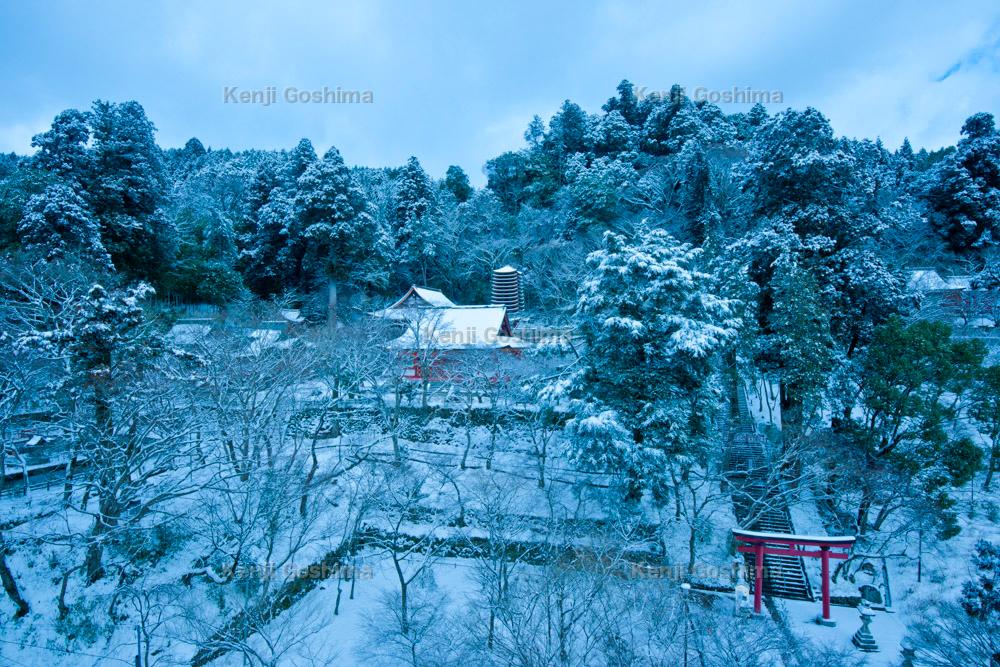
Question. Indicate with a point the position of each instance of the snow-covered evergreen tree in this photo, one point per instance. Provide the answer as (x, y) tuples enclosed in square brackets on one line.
[(62, 150), (569, 131), (128, 187), (656, 130), (58, 221), (652, 325), (457, 183), (964, 193), (264, 231), (417, 233), (822, 205), (981, 597), (299, 159), (796, 343), (697, 198), (337, 237), (612, 134), (596, 190), (626, 104)]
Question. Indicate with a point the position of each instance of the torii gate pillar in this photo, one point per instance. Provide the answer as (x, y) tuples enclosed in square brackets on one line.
[(825, 573), (758, 580)]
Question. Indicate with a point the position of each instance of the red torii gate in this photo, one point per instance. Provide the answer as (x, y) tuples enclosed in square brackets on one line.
[(784, 544)]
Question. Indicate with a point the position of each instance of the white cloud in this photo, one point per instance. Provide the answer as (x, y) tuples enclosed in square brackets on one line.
[(16, 137)]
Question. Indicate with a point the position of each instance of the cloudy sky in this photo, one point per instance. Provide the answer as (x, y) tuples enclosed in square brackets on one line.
[(457, 82)]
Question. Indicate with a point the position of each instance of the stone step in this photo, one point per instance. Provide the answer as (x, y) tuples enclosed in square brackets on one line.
[(758, 506)]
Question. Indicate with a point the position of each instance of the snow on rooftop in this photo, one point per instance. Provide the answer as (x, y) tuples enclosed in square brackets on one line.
[(925, 281), (458, 327), (434, 297), (188, 334), (929, 280), (959, 282), (415, 298), (261, 339)]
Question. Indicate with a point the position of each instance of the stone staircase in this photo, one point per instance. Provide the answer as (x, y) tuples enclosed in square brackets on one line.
[(758, 503)]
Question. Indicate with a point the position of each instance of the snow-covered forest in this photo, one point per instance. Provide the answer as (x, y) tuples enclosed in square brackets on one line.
[(225, 442)]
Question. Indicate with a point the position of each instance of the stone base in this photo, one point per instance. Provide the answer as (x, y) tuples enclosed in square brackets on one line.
[(865, 645), (826, 622)]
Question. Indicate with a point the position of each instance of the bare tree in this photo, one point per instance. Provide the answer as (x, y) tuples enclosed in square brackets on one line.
[(496, 500), (944, 635), (411, 554), (699, 495)]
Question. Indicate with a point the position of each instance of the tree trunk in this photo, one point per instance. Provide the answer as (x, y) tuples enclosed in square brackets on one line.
[(493, 445), (692, 548), (394, 428), (61, 600), (863, 510), (991, 466), (404, 611), (308, 481), (331, 304), (468, 443), (107, 517), (68, 484), (10, 584), (677, 494)]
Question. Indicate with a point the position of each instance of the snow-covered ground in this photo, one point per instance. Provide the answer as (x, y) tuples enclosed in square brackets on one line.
[(188, 604)]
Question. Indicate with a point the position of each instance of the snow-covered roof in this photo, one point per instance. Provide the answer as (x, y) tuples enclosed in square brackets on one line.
[(506, 269), (415, 298), (185, 333), (263, 339), (959, 282), (293, 315), (422, 297), (458, 327), (925, 281), (434, 297), (929, 280)]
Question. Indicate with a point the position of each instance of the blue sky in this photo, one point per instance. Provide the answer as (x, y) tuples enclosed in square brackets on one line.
[(457, 82)]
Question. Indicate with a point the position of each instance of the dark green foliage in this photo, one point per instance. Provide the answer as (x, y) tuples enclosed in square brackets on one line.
[(335, 238), (902, 422), (415, 225), (62, 150), (964, 194), (981, 597), (457, 183), (127, 189), (16, 188)]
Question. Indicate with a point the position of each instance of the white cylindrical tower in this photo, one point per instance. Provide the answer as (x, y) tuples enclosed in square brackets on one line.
[(507, 289)]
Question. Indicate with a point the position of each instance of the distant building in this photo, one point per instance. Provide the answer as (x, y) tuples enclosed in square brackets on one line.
[(929, 281), (441, 336), (951, 297), (415, 297), (505, 289)]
